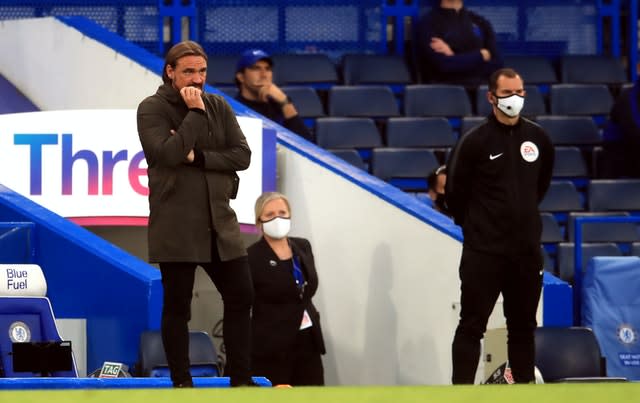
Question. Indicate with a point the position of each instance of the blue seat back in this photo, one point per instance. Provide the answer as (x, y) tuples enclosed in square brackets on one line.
[(592, 69), (563, 353), (332, 132), (31, 318), (314, 69), (469, 122), (614, 194), (362, 69), (569, 163), (551, 231), (562, 196), (566, 256), (534, 69), (571, 130), (592, 100), (436, 100), (351, 155), (376, 101), (221, 70), (420, 132), (406, 168), (306, 100)]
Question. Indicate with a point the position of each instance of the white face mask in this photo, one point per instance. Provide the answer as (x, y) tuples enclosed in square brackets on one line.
[(277, 228), (511, 105)]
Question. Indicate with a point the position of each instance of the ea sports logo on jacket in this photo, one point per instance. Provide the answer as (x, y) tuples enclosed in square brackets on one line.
[(529, 151)]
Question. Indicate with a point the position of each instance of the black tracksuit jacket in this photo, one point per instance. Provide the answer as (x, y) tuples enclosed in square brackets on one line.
[(492, 190)]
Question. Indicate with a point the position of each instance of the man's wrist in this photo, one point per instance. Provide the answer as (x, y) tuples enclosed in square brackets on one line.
[(284, 103)]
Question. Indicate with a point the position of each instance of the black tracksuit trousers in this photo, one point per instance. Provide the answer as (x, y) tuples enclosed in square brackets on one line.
[(483, 277)]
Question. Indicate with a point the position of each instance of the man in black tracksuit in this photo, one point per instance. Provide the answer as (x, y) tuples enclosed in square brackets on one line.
[(497, 175)]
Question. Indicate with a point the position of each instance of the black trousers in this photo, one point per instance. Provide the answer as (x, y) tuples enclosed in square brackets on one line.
[(301, 366), (233, 280), (483, 278)]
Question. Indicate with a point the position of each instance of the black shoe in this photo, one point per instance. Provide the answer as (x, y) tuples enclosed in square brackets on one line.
[(185, 384), (235, 382)]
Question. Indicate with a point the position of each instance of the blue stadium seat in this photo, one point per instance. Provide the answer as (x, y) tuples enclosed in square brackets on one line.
[(433, 133), (376, 101), (593, 100), (469, 122), (359, 133), (534, 104), (551, 231), (307, 103), (306, 100), (569, 164), (406, 168), (364, 69), (534, 69), (571, 130), (570, 354), (350, 155), (593, 69), (604, 232), (437, 100), (153, 362), (31, 318), (309, 69), (562, 197), (614, 195), (221, 70), (548, 261), (566, 256)]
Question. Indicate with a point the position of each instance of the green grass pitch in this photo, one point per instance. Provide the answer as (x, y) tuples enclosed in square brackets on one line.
[(548, 393)]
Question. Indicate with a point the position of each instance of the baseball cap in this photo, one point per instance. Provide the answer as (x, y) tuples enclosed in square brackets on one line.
[(252, 56)]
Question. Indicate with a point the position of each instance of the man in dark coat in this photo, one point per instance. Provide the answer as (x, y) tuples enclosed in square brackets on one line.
[(194, 146), (456, 46)]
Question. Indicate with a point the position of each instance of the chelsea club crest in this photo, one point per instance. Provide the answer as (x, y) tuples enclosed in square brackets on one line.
[(19, 332), (627, 334)]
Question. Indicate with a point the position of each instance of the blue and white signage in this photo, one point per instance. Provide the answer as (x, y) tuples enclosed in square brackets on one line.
[(88, 165), (22, 280)]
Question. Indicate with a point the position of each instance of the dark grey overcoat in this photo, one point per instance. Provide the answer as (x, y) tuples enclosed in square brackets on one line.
[(189, 204)]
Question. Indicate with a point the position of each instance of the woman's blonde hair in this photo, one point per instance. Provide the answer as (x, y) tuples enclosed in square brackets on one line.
[(265, 198)]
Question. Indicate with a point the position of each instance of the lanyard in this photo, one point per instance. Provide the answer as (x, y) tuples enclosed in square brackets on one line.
[(298, 276)]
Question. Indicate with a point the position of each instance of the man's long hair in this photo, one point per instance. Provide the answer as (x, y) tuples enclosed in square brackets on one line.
[(178, 51)]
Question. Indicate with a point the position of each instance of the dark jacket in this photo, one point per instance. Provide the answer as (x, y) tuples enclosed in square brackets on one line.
[(278, 308), (621, 136), (273, 111), (466, 33), (493, 192), (188, 202)]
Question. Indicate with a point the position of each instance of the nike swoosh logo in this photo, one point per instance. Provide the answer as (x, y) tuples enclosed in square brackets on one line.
[(493, 157)]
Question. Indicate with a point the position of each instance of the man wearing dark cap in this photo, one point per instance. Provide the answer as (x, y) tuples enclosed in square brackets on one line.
[(254, 77)]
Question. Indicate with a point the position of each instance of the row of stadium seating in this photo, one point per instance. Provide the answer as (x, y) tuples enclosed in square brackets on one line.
[(452, 101), (564, 202), (320, 71)]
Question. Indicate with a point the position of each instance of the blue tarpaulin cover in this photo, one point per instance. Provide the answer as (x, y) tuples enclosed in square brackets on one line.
[(611, 307)]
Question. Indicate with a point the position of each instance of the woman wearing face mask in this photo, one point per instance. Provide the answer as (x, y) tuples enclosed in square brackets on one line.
[(286, 335)]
